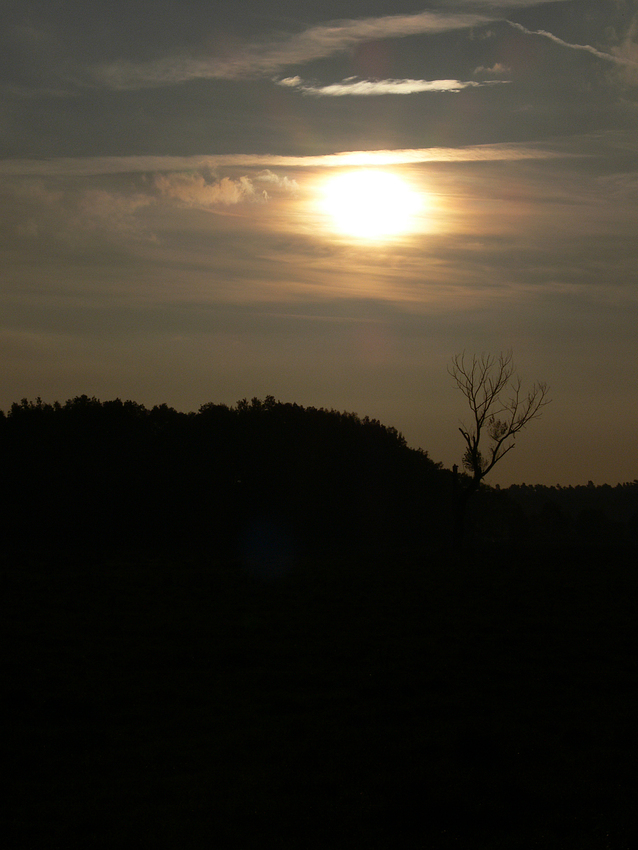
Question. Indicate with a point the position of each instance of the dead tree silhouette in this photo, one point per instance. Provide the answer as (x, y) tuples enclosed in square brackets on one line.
[(500, 409)]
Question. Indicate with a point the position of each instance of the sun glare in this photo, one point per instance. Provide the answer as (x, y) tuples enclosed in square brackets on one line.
[(370, 204)]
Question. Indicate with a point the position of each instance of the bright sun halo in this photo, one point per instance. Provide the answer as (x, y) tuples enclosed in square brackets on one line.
[(370, 204)]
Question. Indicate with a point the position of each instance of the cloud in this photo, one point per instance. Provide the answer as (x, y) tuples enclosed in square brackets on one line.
[(366, 88), (115, 212), (87, 166), (622, 186), (496, 70), (194, 190), (51, 209), (496, 5), (627, 53), (285, 183), (269, 57), (619, 58), (65, 212)]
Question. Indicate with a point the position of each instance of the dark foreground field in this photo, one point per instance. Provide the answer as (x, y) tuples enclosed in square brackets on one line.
[(393, 701)]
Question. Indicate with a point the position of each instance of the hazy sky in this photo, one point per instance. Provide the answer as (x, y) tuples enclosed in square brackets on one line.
[(164, 234)]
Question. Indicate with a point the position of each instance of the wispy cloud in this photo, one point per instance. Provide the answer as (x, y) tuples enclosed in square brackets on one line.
[(68, 212), (87, 166), (106, 206), (496, 5), (622, 186), (627, 51), (285, 183), (195, 191), (100, 209), (497, 70), (269, 57), (617, 58), (352, 86)]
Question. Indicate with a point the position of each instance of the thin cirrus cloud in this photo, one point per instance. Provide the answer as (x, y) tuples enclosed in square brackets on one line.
[(617, 59), (352, 86), (70, 211), (269, 57), (87, 166)]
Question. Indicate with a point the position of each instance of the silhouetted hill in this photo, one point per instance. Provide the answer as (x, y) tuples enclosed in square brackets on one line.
[(266, 479), (388, 692)]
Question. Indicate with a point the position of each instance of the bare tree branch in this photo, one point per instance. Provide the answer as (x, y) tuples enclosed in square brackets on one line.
[(498, 405)]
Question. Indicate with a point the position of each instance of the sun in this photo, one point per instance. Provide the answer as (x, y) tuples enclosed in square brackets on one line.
[(370, 204)]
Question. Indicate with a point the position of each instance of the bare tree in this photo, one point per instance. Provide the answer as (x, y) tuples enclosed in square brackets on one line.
[(500, 409)]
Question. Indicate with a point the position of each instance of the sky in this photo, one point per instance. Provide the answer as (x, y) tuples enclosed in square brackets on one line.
[(194, 207)]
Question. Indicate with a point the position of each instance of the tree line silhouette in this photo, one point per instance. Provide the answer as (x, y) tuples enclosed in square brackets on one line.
[(261, 478), (579, 513), (266, 481)]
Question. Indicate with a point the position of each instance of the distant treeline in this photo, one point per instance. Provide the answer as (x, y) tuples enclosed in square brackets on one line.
[(262, 479), (532, 515), (586, 512)]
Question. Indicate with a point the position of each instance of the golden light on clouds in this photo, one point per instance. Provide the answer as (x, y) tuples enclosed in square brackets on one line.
[(370, 204)]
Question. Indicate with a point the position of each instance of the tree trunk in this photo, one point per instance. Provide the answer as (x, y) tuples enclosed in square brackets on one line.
[(461, 500)]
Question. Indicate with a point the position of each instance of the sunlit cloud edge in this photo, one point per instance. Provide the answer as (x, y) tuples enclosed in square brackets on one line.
[(86, 166), (353, 87)]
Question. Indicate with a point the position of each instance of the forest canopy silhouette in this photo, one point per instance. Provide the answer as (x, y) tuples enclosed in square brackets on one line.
[(295, 479), (265, 481)]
